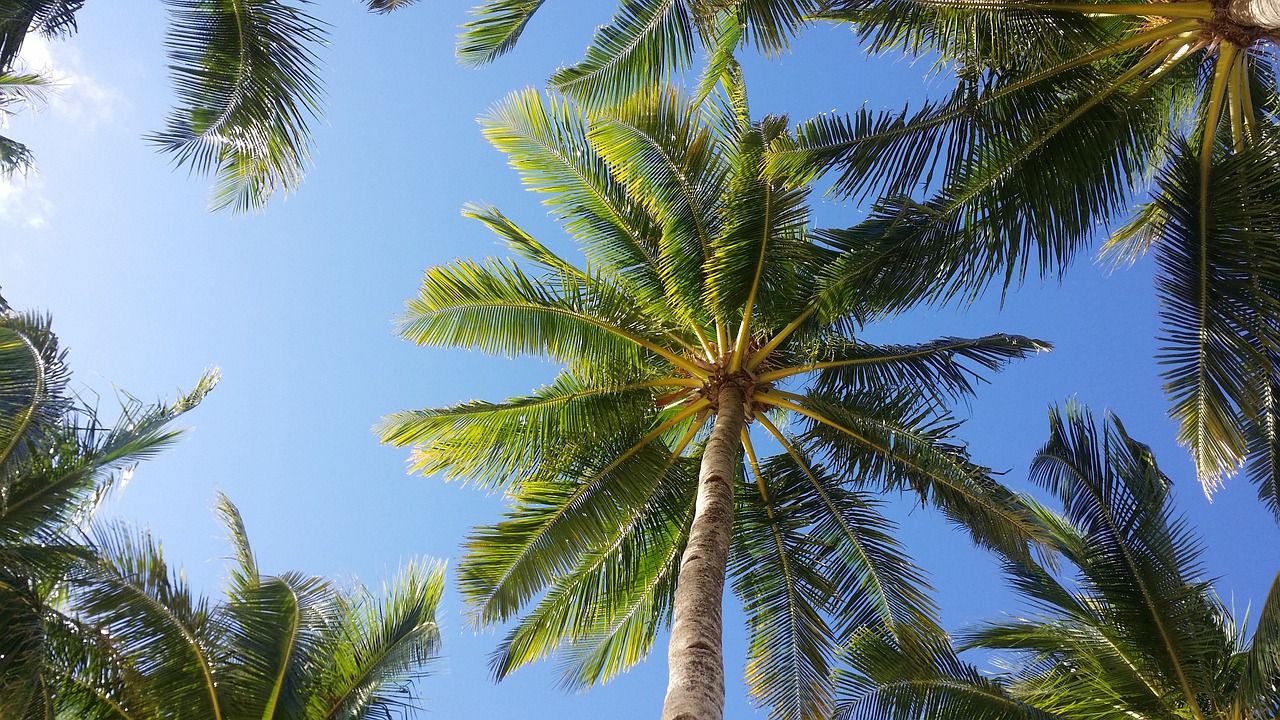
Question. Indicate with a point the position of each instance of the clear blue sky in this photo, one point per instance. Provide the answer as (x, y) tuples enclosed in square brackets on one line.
[(296, 306)]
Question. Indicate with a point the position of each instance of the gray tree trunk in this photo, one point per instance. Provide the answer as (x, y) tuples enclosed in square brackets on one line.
[(695, 657)]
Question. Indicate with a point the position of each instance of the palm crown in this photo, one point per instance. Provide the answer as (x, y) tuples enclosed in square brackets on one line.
[(700, 325), (1127, 628), (1062, 113)]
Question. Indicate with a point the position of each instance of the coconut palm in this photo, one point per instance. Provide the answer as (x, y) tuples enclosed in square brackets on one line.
[(56, 461), (647, 41), (276, 646), (246, 76), (712, 412), (1126, 627), (1062, 114)]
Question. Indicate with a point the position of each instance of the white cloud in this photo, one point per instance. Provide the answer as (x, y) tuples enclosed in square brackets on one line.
[(77, 97), (77, 102), (23, 203)]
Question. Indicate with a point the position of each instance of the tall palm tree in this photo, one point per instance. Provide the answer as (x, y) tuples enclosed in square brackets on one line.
[(1127, 627), (695, 343), (56, 461), (247, 81), (282, 646), (1062, 114)]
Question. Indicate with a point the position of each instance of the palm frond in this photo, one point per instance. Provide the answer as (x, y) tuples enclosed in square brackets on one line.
[(163, 630), (18, 18), (1219, 288), (552, 523), (896, 441), (504, 445), (645, 42), (493, 32), (245, 73), (665, 158), (946, 368), (1135, 556), (497, 308), (896, 679), (381, 644), (603, 616)]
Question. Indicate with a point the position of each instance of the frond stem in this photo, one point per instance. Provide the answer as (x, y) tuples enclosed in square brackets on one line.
[(1194, 10), (763, 353), (29, 413), (755, 468), (744, 330)]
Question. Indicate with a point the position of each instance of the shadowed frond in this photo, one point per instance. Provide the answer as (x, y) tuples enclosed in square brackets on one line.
[(245, 72)]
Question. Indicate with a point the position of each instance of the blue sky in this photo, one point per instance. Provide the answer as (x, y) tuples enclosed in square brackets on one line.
[(296, 306)]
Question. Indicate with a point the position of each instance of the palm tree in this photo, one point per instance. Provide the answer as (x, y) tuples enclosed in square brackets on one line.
[(282, 646), (696, 340), (647, 42), (102, 630), (1063, 112), (56, 461), (1128, 628), (247, 83)]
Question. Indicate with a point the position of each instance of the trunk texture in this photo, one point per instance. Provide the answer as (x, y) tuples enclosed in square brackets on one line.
[(695, 658), (1260, 13)]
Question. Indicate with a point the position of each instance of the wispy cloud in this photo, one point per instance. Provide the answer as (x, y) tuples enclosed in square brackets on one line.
[(77, 103)]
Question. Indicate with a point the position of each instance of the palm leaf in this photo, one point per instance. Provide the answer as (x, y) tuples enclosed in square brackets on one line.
[(245, 72), (494, 31), (645, 42)]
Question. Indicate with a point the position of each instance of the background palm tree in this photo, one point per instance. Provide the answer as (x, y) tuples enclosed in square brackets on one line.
[(247, 81), (100, 628), (1129, 629), (1063, 112), (57, 460), (696, 339), (282, 646)]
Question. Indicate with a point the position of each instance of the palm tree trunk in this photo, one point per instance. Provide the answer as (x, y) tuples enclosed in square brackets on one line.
[(695, 658), (1259, 13)]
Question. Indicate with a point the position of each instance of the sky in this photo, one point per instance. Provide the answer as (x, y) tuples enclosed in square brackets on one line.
[(296, 306)]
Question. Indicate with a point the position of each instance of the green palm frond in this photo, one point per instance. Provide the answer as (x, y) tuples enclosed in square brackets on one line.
[(899, 442), (602, 617), (164, 631), (380, 644), (897, 680), (1261, 664), (647, 41), (33, 379), (513, 442), (494, 31), (382, 7), (17, 91), (668, 160), (553, 523), (762, 241), (1219, 289), (946, 368), (245, 72), (1134, 555), (1127, 628), (499, 309)]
